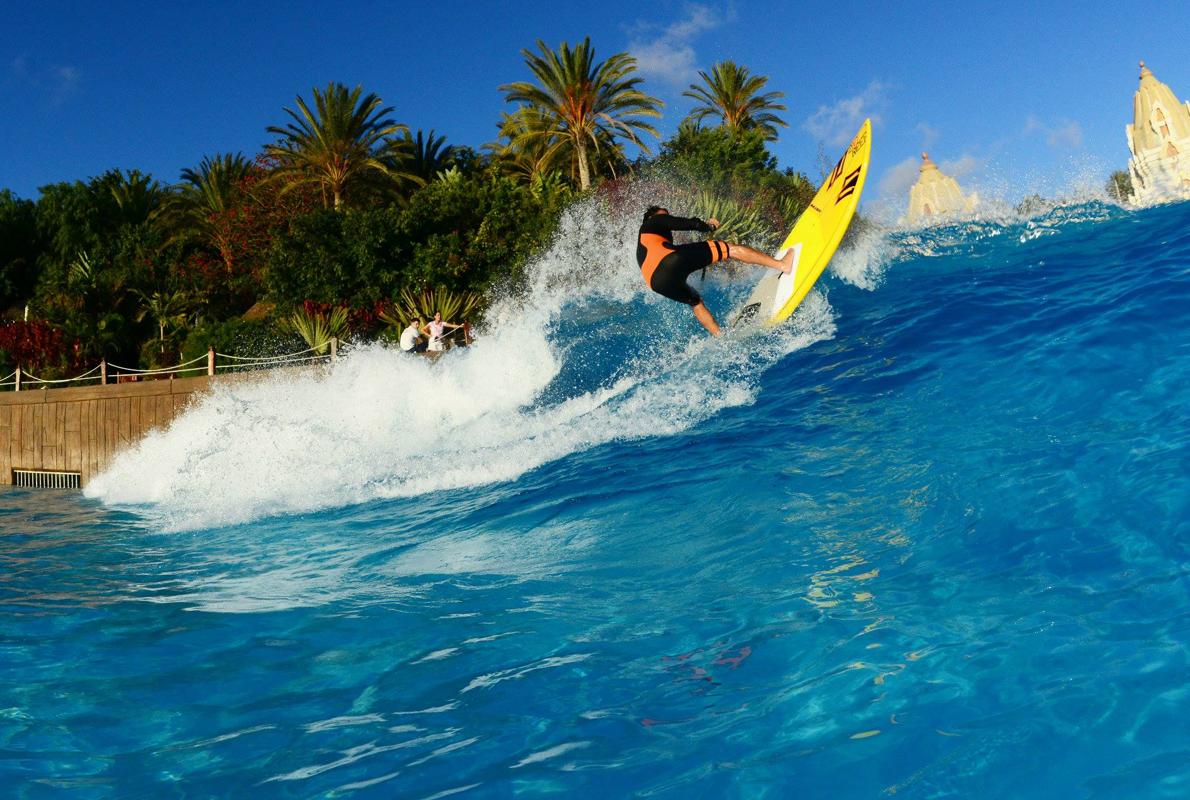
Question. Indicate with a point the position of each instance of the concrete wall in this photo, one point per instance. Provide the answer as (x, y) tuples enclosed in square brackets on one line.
[(80, 429)]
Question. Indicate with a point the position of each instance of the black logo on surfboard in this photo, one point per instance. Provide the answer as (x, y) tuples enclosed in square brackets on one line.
[(849, 184)]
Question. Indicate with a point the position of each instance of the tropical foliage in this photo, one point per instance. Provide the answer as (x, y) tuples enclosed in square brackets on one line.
[(342, 146), (1119, 186), (349, 222), (19, 246), (317, 329), (738, 222), (203, 205), (734, 95), (428, 155), (455, 307), (582, 106)]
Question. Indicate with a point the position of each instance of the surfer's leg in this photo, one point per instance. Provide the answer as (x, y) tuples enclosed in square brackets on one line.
[(741, 252), (704, 316)]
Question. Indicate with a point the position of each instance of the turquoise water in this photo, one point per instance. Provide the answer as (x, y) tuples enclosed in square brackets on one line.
[(931, 539)]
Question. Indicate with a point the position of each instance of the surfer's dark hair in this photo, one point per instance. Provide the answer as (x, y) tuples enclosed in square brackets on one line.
[(651, 210)]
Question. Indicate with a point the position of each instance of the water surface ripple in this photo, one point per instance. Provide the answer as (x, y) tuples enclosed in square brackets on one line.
[(931, 540)]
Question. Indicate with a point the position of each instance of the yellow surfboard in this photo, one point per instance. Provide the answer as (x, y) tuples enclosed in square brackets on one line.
[(815, 235)]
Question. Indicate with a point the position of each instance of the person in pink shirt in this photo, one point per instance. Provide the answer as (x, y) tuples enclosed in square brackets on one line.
[(435, 329)]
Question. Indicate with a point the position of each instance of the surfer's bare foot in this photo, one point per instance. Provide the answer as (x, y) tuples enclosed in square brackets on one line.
[(788, 261)]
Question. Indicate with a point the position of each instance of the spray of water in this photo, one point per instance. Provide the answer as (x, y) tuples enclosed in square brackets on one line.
[(582, 356)]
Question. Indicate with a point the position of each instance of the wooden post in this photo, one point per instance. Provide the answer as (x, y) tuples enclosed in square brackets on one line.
[(18, 388), (210, 361), (103, 372), (334, 348)]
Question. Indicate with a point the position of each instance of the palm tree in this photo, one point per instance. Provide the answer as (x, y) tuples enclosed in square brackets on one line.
[(166, 309), (427, 154), (731, 93), (341, 145), (527, 145), (202, 201), (585, 105), (137, 196)]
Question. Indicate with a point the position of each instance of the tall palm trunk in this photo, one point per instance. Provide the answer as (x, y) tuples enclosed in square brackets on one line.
[(584, 169)]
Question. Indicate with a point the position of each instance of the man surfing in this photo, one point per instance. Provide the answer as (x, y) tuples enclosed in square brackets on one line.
[(666, 266)]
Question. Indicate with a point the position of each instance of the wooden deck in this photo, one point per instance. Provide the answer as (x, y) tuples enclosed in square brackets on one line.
[(81, 429)]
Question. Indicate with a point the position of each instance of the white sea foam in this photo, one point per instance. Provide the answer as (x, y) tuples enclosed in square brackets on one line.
[(381, 424)]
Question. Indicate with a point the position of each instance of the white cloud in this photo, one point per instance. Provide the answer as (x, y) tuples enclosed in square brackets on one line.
[(963, 166), (1066, 134), (56, 83), (835, 125), (668, 55), (929, 134), (67, 76), (897, 179)]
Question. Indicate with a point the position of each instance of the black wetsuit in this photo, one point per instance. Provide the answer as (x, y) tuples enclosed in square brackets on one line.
[(666, 266)]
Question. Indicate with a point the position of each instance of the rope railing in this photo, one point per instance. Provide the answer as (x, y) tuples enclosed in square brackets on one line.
[(160, 370), (263, 359), (86, 376), (103, 372), (305, 360)]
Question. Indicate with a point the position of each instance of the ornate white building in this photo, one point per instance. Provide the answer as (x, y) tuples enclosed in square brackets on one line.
[(937, 195), (1159, 138)]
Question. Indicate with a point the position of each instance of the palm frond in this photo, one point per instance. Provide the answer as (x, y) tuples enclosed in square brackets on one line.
[(317, 329), (732, 94)]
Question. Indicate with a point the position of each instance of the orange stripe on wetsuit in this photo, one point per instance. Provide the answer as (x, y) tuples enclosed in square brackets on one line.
[(656, 247), (655, 242)]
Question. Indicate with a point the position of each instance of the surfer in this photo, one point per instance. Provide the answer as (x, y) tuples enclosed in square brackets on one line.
[(666, 266)]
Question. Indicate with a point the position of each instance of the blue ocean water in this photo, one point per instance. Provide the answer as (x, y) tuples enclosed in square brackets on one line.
[(931, 539)]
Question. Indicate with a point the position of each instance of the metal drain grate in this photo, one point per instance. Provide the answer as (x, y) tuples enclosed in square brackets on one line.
[(41, 479)]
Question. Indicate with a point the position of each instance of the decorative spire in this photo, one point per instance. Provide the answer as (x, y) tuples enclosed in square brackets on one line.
[(926, 163), (1158, 138)]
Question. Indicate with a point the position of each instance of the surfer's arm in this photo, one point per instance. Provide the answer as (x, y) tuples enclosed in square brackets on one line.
[(686, 223)]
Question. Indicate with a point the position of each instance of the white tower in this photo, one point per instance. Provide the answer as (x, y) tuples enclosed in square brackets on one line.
[(1159, 138), (937, 195)]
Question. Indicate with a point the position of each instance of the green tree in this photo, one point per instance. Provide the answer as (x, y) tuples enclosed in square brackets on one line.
[(1119, 186), (201, 206), (167, 310), (469, 234), (428, 155), (732, 170), (342, 146), (19, 247), (528, 145), (732, 94), (717, 155), (100, 246), (137, 196), (357, 257), (586, 105)]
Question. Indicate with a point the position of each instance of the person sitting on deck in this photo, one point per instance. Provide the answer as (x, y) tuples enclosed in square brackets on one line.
[(436, 329), (410, 337)]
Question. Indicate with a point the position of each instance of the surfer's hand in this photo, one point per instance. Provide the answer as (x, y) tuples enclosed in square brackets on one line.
[(714, 223)]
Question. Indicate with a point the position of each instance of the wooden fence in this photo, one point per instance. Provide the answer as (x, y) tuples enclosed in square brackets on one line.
[(71, 431), (78, 430)]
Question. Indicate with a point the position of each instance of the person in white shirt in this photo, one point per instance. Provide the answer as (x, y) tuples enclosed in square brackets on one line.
[(410, 337)]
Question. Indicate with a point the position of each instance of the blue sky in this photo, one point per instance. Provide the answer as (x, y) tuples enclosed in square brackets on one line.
[(1010, 97)]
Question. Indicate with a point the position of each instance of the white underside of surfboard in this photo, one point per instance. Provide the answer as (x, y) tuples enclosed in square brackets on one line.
[(786, 281), (772, 292)]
